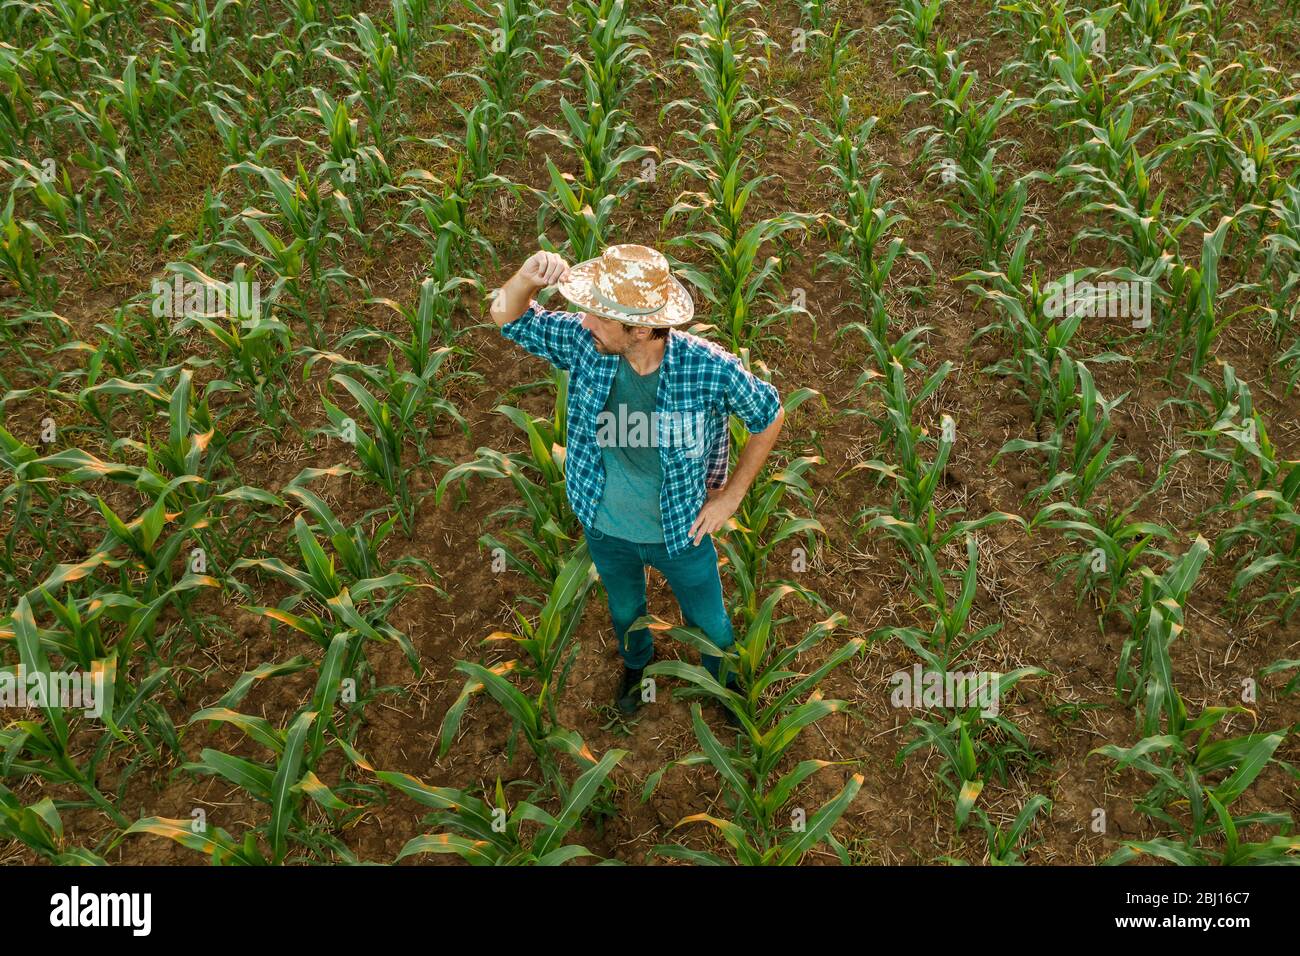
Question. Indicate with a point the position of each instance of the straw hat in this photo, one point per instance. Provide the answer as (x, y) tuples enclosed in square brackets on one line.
[(631, 284)]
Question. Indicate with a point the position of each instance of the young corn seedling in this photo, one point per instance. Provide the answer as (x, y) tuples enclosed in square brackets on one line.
[(151, 556), (38, 514), (257, 346), (1272, 554), (40, 828), (393, 418), (611, 65), (417, 397), (775, 704), (1236, 435), (1196, 781), (1279, 279), (975, 742), (43, 747), (64, 208), (436, 212), (585, 225), (492, 834), (973, 748), (913, 518), (546, 528), (1156, 621), (505, 41), (193, 462), (864, 252), (379, 78), (773, 844), (719, 58), (915, 22), (1111, 541), (761, 524), (93, 635), (19, 261), (1087, 466), (599, 142), (1037, 323), (283, 782), (949, 638), (550, 652), (432, 335), (351, 603), (1195, 292), (1006, 847), (300, 210)]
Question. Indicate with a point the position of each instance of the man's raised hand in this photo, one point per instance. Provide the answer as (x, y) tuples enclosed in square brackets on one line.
[(543, 268), (538, 271)]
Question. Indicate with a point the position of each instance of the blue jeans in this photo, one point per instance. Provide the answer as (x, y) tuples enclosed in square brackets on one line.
[(693, 576)]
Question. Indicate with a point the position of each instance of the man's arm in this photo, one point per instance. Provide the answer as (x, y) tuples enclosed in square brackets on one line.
[(538, 271), (758, 405), (723, 502), (751, 458)]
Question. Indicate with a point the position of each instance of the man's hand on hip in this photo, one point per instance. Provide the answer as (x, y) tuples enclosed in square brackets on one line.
[(720, 506)]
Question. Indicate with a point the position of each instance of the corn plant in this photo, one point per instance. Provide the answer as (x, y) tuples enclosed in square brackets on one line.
[(1005, 847), (283, 782), (719, 59), (1087, 465), (257, 346), (772, 845), (913, 518), (93, 634), (352, 604), (546, 528), (975, 744), (915, 22), (19, 241), (949, 638), (505, 39), (865, 251), (38, 513), (40, 828), (611, 65), (550, 653), (1272, 555), (1279, 279), (1235, 435), (150, 554), (774, 705), (1156, 621), (1195, 782), (598, 141), (43, 747), (763, 521), (296, 264), (1038, 325), (1112, 541), (493, 834), (379, 79), (973, 748), (440, 219), (392, 418)]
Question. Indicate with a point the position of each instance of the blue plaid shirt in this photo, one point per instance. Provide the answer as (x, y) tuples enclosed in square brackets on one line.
[(698, 381)]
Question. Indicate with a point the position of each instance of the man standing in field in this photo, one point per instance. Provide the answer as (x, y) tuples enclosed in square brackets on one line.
[(648, 440)]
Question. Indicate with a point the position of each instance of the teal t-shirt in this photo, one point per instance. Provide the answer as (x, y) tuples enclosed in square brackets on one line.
[(625, 431)]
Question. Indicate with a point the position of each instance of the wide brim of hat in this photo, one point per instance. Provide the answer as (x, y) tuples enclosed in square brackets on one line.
[(579, 287)]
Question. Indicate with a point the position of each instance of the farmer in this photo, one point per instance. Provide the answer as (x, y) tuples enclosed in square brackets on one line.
[(647, 456)]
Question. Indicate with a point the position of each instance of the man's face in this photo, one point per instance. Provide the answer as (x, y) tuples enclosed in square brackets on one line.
[(612, 338)]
